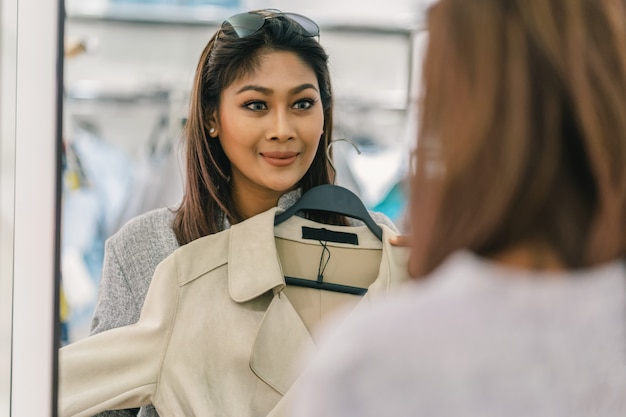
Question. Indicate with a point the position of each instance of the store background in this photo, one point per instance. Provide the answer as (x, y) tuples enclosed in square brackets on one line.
[(128, 70)]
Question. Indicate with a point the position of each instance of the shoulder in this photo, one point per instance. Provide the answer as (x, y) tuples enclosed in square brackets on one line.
[(455, 286), (379, 218), (130, 258), (147, 235), (150, 225), (382, 218), (192, 260)]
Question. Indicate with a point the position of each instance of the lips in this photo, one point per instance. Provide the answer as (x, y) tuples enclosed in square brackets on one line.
[(279, 159)]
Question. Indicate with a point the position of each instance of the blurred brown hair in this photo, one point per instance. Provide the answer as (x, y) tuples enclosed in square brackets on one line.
[(522, 130)]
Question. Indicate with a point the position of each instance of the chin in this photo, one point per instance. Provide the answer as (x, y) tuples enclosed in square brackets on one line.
[(284, 184), (283, 188)]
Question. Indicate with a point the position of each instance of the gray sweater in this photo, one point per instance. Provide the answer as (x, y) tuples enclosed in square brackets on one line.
[(478, 339), (131, 256)]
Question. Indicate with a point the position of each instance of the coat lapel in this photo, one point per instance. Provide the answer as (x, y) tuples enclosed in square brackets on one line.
[(281, 345), (282, 336), (253, 263)]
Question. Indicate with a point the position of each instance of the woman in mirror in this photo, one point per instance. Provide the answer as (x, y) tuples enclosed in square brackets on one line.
[(518, 228), (259, 125)]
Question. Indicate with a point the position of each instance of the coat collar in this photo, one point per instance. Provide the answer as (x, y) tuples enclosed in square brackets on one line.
[(254, 236)]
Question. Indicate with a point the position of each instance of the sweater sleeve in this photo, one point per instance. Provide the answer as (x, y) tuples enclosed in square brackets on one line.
[(116, 305), (119, 368), (130, 259)]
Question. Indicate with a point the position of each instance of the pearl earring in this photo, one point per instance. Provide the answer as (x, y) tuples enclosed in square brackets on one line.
[(211, 131)]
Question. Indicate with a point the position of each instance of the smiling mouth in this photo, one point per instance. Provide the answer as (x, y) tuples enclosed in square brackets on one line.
[(279, 159)]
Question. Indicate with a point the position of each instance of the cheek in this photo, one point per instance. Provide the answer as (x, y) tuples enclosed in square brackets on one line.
[(312, 141), (313, 144), (316, 129), (229, 125), (232, 134), (235, 150), (232, 148)]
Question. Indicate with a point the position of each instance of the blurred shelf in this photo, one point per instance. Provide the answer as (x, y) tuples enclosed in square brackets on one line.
[(212, 15)]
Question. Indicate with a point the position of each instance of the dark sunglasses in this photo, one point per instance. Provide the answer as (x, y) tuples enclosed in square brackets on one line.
[(246, 24)]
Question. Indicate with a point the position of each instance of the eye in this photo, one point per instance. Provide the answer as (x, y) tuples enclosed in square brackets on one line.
[(255, 105), (304, 104)]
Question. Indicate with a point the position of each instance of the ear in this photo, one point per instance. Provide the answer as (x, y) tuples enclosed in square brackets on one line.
[(211, 124)]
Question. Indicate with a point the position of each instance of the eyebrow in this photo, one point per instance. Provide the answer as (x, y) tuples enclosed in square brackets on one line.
[(268, 91)]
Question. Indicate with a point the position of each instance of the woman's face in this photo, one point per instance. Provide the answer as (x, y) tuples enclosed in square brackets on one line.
[(270, 124)]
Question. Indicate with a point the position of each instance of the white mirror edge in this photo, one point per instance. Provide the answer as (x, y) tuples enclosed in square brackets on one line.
[(8, 68), (32, 108)]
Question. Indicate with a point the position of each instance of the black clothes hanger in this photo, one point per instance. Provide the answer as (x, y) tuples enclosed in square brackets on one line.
[(338, 200), (334, 199), (327, 286)]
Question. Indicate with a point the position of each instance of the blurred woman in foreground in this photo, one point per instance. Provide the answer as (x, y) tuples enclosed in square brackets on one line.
[(518, 234)]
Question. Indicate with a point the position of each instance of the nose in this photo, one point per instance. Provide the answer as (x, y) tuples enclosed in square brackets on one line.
[(282, 128)]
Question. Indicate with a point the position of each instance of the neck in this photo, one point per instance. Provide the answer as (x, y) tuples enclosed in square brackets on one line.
[(530, 255), (251, 204)]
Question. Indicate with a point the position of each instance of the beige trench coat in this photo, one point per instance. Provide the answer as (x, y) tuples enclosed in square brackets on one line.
[(217, 334)]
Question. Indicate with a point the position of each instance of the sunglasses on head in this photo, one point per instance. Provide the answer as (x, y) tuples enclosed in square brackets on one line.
[(246, 24)]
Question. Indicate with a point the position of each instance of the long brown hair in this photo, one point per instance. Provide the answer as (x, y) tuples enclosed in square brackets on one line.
[(522, 130), (227, 57)]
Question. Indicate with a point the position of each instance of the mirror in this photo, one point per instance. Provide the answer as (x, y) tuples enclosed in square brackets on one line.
[(128, 71), (133, 95)]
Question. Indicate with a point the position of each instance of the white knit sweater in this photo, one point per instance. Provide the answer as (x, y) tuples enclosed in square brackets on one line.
[(479, 339)]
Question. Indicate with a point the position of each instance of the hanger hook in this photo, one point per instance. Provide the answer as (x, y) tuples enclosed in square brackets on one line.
[(331, 143)]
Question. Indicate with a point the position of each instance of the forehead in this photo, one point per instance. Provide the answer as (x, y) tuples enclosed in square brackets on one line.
[(278, 68)]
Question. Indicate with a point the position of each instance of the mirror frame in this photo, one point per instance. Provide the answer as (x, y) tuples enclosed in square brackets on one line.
[(8, 64), (31, 74)]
